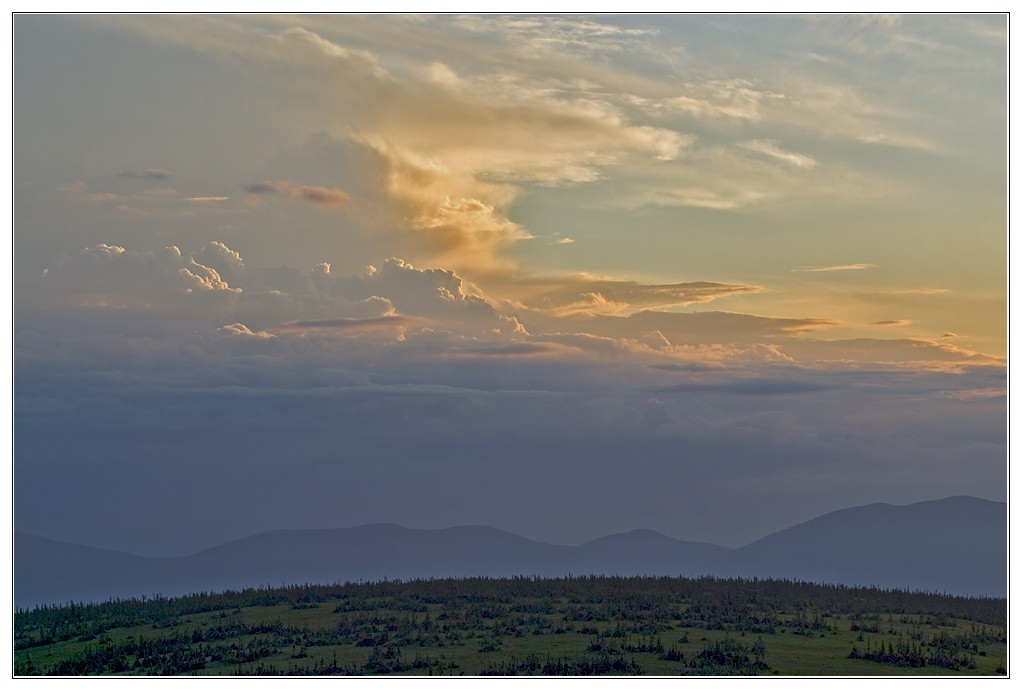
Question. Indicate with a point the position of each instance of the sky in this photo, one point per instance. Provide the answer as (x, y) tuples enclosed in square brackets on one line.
[(565, 276)]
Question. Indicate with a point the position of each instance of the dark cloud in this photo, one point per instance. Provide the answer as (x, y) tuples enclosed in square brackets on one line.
[(755, 387), (347, 323), (330, 436), (510, 350), (312, 194), (264, 188)]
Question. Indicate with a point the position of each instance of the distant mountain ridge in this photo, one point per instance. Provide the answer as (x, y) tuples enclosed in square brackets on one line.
[(957, 545)]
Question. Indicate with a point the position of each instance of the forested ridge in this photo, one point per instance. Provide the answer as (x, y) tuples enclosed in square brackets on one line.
[(522, 626)]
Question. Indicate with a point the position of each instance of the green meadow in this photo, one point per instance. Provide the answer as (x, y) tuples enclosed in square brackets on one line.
[(523, 626)]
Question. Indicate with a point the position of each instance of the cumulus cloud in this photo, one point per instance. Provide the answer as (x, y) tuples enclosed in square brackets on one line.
[(269, 299), (129, 273), (446, 314), (449, 216), (435, 294), (390, 327), (227, 262), (239, 329)]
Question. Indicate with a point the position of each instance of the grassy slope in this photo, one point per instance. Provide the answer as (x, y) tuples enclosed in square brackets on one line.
[(789, 651)]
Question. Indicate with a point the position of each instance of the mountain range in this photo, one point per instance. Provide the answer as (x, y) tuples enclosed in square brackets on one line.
[(957, 545)]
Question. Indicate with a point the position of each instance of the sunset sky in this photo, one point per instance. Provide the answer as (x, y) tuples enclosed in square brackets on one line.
[(564, 276)]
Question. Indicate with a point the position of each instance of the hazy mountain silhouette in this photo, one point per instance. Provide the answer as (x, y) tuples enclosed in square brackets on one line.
[(957, 545), (646, 552)]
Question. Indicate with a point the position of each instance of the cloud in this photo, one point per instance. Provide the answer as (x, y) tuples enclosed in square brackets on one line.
[(518, 350), (147, 174), (366, 414), (770, 148), (706, 327), (207, 198), (389, 327), (165, 192), (456, 143), (444, 314), (838, 267), (915, 353), (227, 262), (729, 98), (921, 291), (552, 35), (435, 294), (583, 295), (77, 187), (153, 287), (713, 176), (264, 188), (82, 190), (239, 329), (755, 387), (320, 196), (129, 273), (344, 323)]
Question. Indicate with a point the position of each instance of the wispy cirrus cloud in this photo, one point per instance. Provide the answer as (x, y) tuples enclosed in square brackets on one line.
[(82, 191), (838, 267), (770, 148), (584, 295), (920, 291)]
